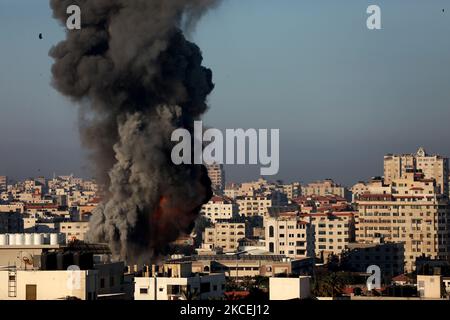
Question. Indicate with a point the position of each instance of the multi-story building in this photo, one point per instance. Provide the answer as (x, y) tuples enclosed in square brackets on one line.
[(220, 208), (333, 232), (253, 206), (292, 190), (225, 235), (326, 188), (247, 265), (432, 166), (176, 281), (74, 230), (217, 176), (410, 210), (35, 284), (3, 183), (289, 234), (359, 189), (11, 222), (389, 257)]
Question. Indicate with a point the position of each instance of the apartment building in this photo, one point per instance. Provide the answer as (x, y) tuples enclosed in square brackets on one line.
[(326, 188), (47, 285), (3, 183), (333, 232), (225, 235), (97, 282), (11, 222), (253, 206), (240, 266), (289, 288), (289, 234), (74, 230), (217, 175), (388, 256), (359, 189), (410, 210), (220, 208), (432, 166), (13, 207), (176, 281), (292, 190)]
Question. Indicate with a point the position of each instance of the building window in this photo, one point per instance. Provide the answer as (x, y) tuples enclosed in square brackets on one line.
[(205, 287), (143, 291)]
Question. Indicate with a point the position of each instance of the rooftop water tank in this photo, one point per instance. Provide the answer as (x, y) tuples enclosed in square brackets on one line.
[(12, 239), (46, 238), (37, 239), (20, 239), (28, 239), (54, 239), (3, 239)]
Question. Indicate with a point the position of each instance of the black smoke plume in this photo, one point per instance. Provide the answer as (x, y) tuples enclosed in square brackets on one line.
[(136, 79)]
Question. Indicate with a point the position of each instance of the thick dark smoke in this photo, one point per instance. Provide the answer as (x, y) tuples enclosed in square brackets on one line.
[(136, 79)]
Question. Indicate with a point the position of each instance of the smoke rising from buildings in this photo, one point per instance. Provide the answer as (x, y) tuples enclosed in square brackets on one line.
[(136, 78)]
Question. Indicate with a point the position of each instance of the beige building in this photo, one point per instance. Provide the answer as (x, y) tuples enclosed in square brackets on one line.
[(225, 236), (3, 183), (239, 266), (217, 176), (430, 287), (289, 234), (220, 208), (24, 256), (433, 167), (47, 285), (253, 206), (359, 189), (289, 288), (13, 207), (176, 281), (410, 211), (333, 232), (325, 188), (103, 281), (292, 190), (74, 230)]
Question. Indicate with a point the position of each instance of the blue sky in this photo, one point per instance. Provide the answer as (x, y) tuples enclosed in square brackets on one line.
[(342, 96)]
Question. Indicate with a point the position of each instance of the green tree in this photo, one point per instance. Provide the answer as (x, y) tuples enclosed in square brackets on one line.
[(329, 285)]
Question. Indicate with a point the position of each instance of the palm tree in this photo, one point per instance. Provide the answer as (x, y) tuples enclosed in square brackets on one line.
[(189, 294)]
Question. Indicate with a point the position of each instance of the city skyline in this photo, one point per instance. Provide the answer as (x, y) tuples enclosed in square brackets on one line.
[(306, 48)]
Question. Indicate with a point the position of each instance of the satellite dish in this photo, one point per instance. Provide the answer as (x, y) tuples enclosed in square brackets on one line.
[(26, 258)]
